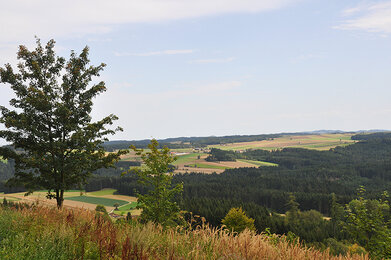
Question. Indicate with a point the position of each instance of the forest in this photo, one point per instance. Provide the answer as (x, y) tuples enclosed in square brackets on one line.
[(308, 184)]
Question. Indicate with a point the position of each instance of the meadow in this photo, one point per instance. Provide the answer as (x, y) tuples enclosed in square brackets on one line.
[(47, 233)]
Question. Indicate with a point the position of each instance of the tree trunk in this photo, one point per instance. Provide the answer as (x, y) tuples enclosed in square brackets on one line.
[(59, 198)]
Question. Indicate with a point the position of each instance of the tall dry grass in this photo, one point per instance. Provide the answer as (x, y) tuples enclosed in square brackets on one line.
[(46, 233)]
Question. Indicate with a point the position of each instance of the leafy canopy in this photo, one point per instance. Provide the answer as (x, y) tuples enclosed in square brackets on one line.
[(158, 204), (369, 223), (237, 221), (56, 146)]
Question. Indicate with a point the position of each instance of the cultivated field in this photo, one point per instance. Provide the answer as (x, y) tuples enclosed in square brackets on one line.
[(73, 199), (317, 142), (190, 163)]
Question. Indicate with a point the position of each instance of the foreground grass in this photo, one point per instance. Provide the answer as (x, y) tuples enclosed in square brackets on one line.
[(46, 233)]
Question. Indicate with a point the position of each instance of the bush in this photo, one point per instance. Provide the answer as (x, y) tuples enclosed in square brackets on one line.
[(101, 208), (237, 221)]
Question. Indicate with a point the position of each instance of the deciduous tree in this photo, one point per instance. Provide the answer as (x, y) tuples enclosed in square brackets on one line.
[(158, 204), (56, 144), (237, 221)]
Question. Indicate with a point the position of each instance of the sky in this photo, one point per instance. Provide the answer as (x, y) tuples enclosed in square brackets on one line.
[(220, 67)]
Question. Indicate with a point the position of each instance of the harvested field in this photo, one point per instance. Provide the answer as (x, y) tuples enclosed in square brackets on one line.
[(318, 142), (40, 197)]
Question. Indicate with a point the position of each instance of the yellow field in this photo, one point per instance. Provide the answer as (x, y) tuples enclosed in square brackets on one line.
[(317, 142)]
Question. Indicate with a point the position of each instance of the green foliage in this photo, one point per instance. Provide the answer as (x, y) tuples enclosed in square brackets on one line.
[(293, 206), (58, 145), (220, 155), (237, 221), (369, 224), (158, 204), (336, 247), (101, 208)]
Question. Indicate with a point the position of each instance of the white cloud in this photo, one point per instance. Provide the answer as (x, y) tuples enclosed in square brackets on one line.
[(46, 18), (153, 53), (203, 61), (374, 17)]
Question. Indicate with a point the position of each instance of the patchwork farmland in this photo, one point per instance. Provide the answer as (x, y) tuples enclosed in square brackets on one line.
[(193, 160)]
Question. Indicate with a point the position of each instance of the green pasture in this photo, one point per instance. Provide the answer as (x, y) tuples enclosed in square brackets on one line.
[(258, 163), (126, 208), (208, 166), (97, 200), (187, 158)]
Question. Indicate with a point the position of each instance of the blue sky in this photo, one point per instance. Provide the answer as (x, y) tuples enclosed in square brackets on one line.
[(200, 68)]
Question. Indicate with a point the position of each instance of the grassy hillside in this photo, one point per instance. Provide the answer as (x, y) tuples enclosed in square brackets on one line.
[(46, 233)]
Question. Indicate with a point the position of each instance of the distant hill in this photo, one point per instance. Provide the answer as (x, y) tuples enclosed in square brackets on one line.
[(188, 142)]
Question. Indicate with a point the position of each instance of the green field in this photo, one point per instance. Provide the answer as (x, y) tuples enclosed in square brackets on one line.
[(208, 166), (123, 210), (258, 163), (102, 192), (187, 158), (95, 200), (129, 206)]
